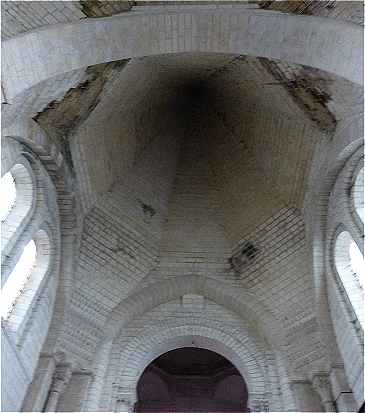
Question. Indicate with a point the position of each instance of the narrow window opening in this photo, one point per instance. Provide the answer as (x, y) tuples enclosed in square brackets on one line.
[(8, 195), (350, 268), (357, 263), (21, 273), (358, 194)]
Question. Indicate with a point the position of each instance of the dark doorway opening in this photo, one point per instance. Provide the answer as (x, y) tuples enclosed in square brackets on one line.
[(191, 379)]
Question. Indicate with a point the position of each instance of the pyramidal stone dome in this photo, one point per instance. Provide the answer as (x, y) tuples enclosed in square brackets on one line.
[(185, 171)]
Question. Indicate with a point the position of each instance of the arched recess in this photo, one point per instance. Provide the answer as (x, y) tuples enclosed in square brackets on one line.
[(46, 227), (329, 159), (25, 202), (335, 160), (268, 330), (344, 292), (307, 40), (350, 281), (244, 304), (202, 337), (26, 306), (29, 135), (357, 195)]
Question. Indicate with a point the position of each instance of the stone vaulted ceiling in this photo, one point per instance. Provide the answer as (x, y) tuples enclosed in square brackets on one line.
[(181, 159)]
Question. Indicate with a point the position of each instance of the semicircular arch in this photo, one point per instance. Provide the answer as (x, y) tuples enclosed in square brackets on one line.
[(307, 40), (242, 303), (203, 337)]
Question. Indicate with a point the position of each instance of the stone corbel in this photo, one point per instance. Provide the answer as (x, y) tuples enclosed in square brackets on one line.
[(322, 385)]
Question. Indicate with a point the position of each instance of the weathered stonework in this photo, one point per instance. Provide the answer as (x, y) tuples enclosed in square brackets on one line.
[(193, 162)]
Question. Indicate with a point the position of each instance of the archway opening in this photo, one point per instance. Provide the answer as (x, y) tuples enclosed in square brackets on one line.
[(191, 379)]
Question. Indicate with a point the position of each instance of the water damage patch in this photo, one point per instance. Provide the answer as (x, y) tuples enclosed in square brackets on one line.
[(104, 8), (308, 87), (244, 256), (352, 11), (147, 209), (298, 7), (60, 118)]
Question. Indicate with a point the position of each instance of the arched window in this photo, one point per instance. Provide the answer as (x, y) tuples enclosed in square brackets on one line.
[(350, 267), (17, 198), (24, 282), (18, 278), (358, 194), (357, 263), (8, 195)]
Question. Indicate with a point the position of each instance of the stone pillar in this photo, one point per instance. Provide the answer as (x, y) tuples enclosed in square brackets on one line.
[(74, 396), (96, 385), (322, 385), (342, 393), (61, 377), (307, 400), (288, 399), (39, 388)]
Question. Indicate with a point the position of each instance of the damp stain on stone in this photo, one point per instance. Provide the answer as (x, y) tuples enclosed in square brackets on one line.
[(308, 89), (105, 8), (61, 118), (352, 11), (147, 209), (298, 7)]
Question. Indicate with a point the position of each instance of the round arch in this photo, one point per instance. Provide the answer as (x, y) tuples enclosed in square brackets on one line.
[(321, 223), (270, 334), (203, 337), (158, 294), (244, 304), (347, 140), (307, 40)]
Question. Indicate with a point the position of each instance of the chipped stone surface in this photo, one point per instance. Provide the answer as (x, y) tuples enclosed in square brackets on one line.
[(307, 93), (19, 17), (62, 117), (97, 8), (352, 11)]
